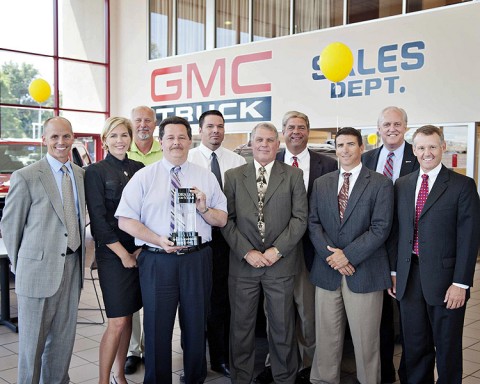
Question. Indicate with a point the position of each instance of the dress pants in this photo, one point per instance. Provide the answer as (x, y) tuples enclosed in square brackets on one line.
[(135, 347), (429, 332), (304, 296), (244, 296), (46, 328), (167, 281), (363, 311), (387, 339), (218, 324)]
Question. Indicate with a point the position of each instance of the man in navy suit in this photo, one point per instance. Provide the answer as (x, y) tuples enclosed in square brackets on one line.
[(433, 256), (350, 216), (296, 129), (392, 126)]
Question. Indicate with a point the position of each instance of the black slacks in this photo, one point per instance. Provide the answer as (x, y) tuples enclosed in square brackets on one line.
[(167, 281), (430, 332), (218, 323)]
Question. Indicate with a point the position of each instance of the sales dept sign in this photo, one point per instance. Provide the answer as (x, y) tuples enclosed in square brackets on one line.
[(383, 76)]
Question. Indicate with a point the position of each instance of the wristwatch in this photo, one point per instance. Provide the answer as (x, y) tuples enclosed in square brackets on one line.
[(279, 255)]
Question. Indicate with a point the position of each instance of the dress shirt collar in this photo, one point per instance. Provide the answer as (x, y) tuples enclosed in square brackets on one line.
[(432, 175), (268, 168), (207, 152), (302, 158), (168, 166), (354, 172), (398, 152), (57, 165)]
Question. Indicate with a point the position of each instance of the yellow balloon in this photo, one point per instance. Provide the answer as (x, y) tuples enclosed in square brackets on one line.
[(40, 90), (336, 61), (372, 138)]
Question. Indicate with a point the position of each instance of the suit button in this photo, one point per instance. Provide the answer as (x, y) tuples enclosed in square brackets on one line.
[(410, 241), (63, 255), (408, 260), (65, 234)]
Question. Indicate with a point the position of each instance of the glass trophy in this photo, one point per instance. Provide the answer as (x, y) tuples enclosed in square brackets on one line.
[(185, 232)]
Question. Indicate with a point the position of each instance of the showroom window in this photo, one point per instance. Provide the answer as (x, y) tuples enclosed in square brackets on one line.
[(187, 35), (232, 22), (63, 42), (187, 26)]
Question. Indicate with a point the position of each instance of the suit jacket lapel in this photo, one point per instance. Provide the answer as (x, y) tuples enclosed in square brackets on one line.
[(275, 179), (250, 182), (81, 194), (357, 191), (410, 195), (50, 185), (409, 161), (372, 158), (438, 188), (281, 156), (332, 195)]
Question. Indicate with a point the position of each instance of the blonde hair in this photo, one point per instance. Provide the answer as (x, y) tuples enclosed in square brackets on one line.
[(113, 122)]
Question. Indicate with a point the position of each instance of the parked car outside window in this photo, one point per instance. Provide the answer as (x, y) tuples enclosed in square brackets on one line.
[(18, 153)]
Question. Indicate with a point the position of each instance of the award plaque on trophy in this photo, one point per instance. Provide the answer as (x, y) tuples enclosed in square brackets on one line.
[(185, 231)]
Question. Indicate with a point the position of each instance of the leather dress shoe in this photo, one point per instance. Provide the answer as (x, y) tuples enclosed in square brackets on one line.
[(303, 377), (264, 377), (131, 364), (221, 368)]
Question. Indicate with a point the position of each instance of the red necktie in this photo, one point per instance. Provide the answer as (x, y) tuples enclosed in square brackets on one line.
[(388, 168), (421, 199), (295, 162), (343, 194)]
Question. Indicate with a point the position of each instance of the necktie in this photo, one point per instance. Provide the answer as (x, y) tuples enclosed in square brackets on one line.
[(295, 161), (215, 167), (262, 188), (175, 184), (388, 168), (421, 199), (343, 194), (69, 211)]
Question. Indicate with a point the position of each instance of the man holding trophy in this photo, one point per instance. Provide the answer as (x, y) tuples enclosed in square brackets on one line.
[(169, 207)]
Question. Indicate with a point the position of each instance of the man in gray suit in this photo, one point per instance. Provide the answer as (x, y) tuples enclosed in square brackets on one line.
[(296, 130), (43, 229), (267, 217), (350, 217)]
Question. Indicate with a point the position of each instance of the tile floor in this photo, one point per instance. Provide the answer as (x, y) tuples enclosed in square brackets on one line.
[(84, 365)]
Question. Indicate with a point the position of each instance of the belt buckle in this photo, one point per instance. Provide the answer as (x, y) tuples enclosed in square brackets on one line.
[(181, 251)]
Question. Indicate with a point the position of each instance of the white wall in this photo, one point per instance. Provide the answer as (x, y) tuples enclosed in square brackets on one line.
[(446, 88)]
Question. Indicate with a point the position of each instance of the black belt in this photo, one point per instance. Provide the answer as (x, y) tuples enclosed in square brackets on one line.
[(69, 251), (182, 251)]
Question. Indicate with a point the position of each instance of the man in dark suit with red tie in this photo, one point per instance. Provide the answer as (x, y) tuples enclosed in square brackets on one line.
[(433, 254), (394, 159)]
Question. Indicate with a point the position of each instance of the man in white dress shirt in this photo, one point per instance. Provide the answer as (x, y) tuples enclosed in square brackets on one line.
[(211, 155)]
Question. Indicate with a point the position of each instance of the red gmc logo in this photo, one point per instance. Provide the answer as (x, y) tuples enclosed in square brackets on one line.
[(175, 85)]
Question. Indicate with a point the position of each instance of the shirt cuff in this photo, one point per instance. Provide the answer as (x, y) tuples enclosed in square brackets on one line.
[(393, 273), (461, 285)]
